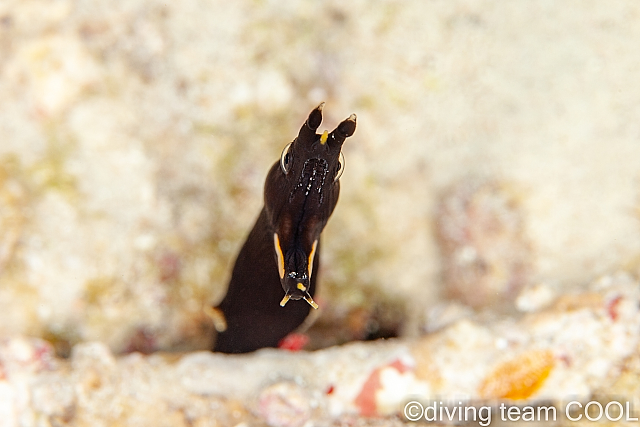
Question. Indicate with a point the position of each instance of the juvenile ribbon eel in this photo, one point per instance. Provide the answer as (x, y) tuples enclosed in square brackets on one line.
[(278, 263)]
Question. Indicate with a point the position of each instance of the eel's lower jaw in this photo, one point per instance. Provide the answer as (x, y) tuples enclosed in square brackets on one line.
[(310, 300), (284, 301), (306, 297)]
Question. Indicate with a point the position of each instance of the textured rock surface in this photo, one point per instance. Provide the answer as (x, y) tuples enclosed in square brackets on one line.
[(486, 256), (585, 343)]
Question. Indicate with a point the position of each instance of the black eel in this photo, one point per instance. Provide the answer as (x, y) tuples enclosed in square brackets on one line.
[(279, 260)]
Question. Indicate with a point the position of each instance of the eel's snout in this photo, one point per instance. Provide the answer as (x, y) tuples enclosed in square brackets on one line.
[(298, 293)]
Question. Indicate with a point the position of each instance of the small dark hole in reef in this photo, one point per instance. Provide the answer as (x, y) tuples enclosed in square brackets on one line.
[(61, 344), (375, 331), (341, 323)]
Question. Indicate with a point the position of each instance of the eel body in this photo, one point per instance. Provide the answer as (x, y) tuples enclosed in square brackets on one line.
[(274, 276)]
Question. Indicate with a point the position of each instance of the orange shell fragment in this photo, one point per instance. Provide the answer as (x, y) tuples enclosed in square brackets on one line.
[(518, 378)]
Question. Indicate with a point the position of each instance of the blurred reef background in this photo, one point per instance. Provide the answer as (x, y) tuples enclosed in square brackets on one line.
[(497, 152)]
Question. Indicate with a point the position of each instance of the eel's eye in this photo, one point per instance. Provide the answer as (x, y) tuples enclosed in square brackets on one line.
[(340, 167), (285, 159)]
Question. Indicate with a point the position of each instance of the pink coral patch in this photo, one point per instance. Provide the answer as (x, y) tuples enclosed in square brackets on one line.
[(366, 400), (612, 307), (293, 342)]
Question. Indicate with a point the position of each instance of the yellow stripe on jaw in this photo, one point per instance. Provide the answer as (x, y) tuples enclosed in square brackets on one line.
[(311, 256), (311, 302), (285, 300), (324, 137), (276, 244)]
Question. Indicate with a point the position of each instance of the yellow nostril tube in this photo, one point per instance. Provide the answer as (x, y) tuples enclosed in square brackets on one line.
[(324, 137)]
